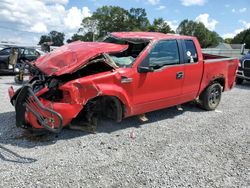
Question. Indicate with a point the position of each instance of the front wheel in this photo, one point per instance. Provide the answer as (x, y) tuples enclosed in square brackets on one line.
[(210, 98)]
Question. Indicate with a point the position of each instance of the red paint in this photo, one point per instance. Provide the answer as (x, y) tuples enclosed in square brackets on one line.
[(147, 92), (69, 57), (11, 91)]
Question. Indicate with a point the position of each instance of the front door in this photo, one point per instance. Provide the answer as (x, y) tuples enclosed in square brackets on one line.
[(163, 86)]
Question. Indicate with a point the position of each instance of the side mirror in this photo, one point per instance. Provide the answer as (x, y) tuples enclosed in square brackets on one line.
[(144, 66), (145, 69)]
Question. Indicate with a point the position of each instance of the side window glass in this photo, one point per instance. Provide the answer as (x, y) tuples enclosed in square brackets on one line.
[(191, 52), (164, 53), (5, 51), (26, 52), (31, 52), (21, 50)]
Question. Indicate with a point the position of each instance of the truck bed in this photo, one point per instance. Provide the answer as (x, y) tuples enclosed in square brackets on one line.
[(219, 67), (213, 57)]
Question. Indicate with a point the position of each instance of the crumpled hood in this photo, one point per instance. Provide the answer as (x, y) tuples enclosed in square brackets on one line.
[(70, 57)]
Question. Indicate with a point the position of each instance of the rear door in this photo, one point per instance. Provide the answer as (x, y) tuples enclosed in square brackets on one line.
[(193, 70), (162, 87)]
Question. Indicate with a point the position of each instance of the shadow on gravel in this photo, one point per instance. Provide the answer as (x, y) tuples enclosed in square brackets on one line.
[(10, 134), (15, 84), (245, 85), (10, 156)]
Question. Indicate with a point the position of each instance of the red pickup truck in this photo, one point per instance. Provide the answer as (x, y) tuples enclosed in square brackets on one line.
[(129, 73)]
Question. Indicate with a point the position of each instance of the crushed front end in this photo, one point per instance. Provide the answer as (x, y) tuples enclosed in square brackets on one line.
[(63, 89), (41, 104)]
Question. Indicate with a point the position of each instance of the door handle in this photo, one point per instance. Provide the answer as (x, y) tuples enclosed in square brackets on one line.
[(125, 79), (179, 75)]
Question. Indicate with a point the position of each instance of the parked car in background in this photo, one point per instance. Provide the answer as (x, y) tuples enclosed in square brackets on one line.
[(11, 56), (243, 72), (129, 73)]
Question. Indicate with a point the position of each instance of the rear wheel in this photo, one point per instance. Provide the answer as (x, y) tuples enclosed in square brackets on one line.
[(239, 81), (210, 98)]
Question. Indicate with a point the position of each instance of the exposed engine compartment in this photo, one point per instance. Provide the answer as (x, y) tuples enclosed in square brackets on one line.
[(95, 66), (39, 80)]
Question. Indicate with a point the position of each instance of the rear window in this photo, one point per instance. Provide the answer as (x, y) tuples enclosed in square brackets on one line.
[(190, 47)]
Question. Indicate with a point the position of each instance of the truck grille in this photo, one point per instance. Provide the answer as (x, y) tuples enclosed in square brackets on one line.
[(247, 73), (246, 64)]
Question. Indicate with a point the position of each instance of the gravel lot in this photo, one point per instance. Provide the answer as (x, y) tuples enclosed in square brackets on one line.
[(175, 148)]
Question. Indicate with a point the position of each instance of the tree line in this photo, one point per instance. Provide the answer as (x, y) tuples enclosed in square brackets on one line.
[(107, 19)]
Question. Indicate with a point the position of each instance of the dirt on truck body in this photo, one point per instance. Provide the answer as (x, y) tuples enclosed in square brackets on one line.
[(129, 73)]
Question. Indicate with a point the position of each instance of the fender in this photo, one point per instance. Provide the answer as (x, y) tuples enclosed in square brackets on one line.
[(81, 93), (219, 78)]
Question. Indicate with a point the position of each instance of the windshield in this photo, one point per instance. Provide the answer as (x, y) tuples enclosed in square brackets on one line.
[(127, 57)]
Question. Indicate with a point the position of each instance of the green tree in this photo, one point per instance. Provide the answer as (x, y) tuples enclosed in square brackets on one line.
[(138, 20), (89, 26), (55, 37), (228, 40), (76, 37), (215, 38), (242, 37), (108, 19), (160, 25), (111, 18), (44, 39), (206, 37)]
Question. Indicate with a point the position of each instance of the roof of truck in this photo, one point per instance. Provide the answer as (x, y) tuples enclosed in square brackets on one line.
[(147, 35)]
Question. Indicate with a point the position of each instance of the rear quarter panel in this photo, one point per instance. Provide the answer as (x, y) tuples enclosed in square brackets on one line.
[(219, 68)]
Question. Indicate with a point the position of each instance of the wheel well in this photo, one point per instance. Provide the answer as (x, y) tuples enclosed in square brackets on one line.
[(221, 81), (103, 106)]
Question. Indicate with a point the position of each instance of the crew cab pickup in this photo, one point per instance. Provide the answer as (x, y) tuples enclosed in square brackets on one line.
[(129, 73)]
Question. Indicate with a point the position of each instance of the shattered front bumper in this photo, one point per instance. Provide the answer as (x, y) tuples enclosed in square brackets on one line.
[(30, 110)]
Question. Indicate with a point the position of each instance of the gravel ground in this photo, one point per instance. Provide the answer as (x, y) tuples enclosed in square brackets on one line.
[(189, 148)]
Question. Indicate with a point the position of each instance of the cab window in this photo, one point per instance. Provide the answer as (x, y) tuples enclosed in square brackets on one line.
[(191, 52), (164, 53)]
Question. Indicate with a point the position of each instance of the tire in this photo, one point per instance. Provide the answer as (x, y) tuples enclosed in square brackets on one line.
[(239, 81), (210, 97)]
